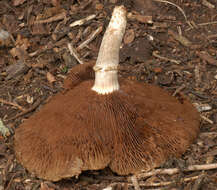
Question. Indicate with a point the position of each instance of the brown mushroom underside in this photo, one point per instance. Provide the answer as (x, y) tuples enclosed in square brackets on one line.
[(133, 129)]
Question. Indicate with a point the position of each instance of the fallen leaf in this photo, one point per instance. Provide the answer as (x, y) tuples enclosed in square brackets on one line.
[(50, 77), (5, 39), (16, 69), (19, 52), (21, 41), (129, 36)]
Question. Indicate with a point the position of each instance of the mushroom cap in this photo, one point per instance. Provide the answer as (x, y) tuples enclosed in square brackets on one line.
[(135, 128)]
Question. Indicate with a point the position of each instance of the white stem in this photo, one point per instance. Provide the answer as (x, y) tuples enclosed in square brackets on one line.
[(106, 68)]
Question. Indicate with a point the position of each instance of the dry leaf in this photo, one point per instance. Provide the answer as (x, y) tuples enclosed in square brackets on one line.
[(5, 39), (129, 36), (18, 2), (50, 77), (19, 52), (24, 42), (140, 18), (16, 69)]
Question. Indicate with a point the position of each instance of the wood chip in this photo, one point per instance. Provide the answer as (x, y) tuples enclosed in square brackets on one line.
[(208, 4), (129, 36), (50, 77), (16, 69), (206, 57), (183, 40), (140, 18), (82, 21)]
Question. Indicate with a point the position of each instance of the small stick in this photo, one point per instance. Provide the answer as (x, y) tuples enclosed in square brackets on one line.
[(179, 89), (206, 57), (207, 134), (207, 23), (165, 58), (157, 184), (183, 40), (166, 183), (197, 74), (35, 105), (90, 38), (203, 24), (74, 53), (60, 16), (172, 171), (12, 104), (178, 7), (208, 4), (206, 119), (82, 21)]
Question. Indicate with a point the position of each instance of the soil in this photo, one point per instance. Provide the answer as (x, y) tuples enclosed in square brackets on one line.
[(172, 44)]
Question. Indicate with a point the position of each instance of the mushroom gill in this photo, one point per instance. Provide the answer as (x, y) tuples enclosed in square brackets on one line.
[(94, 124)]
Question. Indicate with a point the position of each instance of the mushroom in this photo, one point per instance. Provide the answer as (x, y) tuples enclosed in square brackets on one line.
[(98, 123)]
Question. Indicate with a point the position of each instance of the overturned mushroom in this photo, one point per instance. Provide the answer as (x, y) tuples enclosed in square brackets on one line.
[(94, 124)]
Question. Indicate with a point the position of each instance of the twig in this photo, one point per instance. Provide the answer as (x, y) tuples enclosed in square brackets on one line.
[(208, 4), (90, 38), (203, 24), (35, 105), (207, 23), (74, 53), (178, 7), (52, 19), (135, 182), (183, 40), (206, 119), (10, 182), (198, 182), (156, 184), (179, 89), (172, 171), (207, 134), (206, 57), (166, 183), (12, 104), (82, 21), (197, 75), (164, 58)]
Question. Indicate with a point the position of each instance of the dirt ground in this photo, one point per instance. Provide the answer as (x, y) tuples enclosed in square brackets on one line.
[(172, 44)]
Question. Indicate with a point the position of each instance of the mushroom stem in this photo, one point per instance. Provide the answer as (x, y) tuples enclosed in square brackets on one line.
[(106, 68)]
